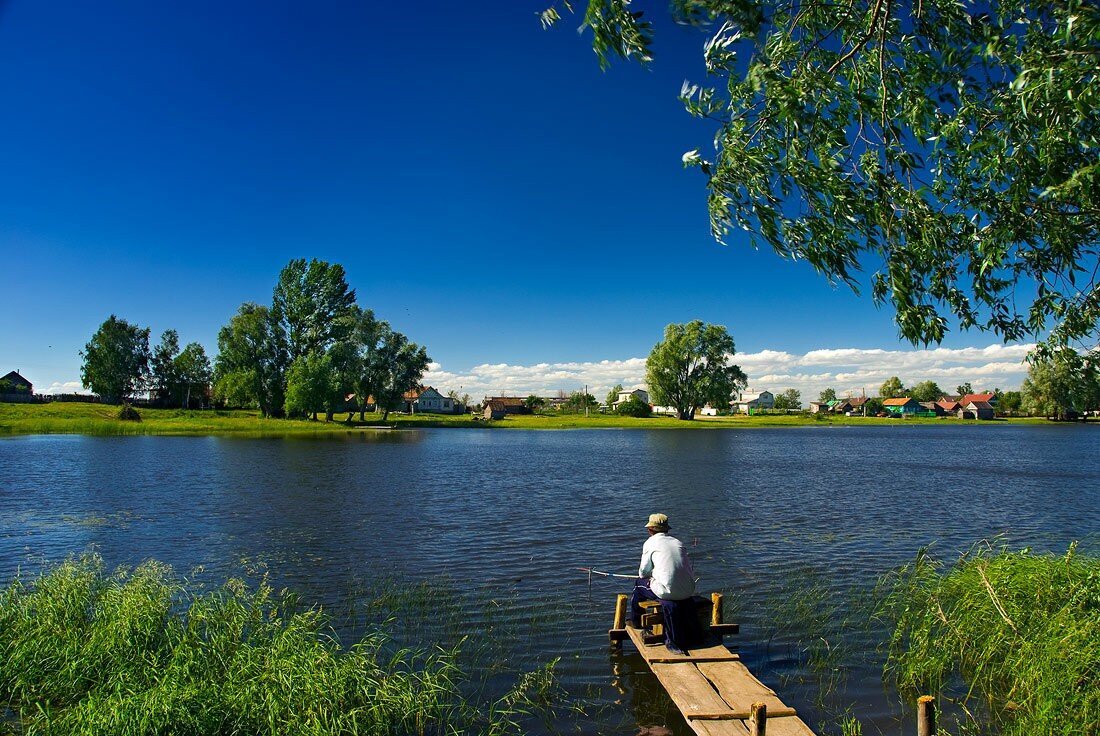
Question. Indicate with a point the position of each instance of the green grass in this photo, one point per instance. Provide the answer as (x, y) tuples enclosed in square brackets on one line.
[(1019, 631), (84, 650), (102, 419)]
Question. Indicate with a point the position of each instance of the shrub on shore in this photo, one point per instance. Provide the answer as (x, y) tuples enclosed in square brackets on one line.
[(86, 650), (1020, 631)]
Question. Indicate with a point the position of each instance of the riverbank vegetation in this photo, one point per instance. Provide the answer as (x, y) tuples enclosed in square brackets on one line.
[(102, 419), (89, 650), (1009, 638)]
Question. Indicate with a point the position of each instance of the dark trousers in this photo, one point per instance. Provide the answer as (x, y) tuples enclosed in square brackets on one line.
[(682, 628)]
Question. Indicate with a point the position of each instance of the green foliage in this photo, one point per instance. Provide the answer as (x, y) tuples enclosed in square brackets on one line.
[(139, 652), (828, 394), (964, 389), (613, 394), (690, 368), (164, 379), (251, 362), (116, 360), (313, 305), (1011, 402), (193, 372), (953, 148), (395, 366), (892, 388), (789, 399), (579, 401), (310, 385), (872, 406), (634, 407), (1063, 383), (535, 403), (1020, 629), (926, 391)]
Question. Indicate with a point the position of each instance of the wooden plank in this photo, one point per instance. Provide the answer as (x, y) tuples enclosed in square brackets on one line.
[(659, 652), (740, 689), (687, 687), (793, 726), (719, 728)]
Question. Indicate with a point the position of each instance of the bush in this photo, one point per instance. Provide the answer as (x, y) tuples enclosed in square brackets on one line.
[(128, 414), (634, 407)]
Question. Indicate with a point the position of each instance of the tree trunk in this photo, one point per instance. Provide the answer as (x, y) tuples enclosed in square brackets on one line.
[(313, 418), (328, 415), (385, 413), (361, 412)]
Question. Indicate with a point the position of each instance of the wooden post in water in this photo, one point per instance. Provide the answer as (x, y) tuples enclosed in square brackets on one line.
[(758, 720), (618, 630), (926, 715), (715, 609)]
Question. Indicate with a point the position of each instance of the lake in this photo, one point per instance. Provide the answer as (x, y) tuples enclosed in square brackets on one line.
[(787, 522)]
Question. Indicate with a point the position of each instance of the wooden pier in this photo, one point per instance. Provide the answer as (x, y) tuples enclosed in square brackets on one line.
[(715, 692)]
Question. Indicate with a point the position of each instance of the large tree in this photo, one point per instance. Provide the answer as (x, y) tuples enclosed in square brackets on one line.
[(313, 305), (950, 148), (193, 372), (892, 388), (1060, 386), (690, 367), (828, 394), (116, 360), (311, 385), (789, 399), (396, 366), (251, 362), (926, 391), (164, 381)]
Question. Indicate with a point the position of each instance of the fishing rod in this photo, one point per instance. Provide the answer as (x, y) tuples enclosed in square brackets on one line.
[(592, 572)]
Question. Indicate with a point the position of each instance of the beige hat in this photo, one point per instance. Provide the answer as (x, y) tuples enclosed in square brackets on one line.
[(658, 522)]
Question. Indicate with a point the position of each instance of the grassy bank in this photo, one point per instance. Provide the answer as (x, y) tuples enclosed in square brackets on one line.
[(101, 419), (86, 650), (1011, 638)]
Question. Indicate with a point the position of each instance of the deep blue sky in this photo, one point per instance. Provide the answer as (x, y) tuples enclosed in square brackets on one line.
[(488, 189)]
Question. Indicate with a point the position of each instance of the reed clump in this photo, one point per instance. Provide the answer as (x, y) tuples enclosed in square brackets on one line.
[(1012, 637), (87, 650)]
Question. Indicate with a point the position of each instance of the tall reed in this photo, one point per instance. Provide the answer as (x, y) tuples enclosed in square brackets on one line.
[(85, 650), (1014, 636)]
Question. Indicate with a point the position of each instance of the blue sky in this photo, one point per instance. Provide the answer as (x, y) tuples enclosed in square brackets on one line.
[(488, 189)]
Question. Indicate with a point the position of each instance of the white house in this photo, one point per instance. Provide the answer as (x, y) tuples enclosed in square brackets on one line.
[(431, 401), (750, 401), (641, 394)]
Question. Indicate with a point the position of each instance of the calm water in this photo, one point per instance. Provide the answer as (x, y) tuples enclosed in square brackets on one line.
[(501, 519)]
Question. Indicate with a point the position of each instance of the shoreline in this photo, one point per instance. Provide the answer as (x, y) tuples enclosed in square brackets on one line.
[(102, 420)]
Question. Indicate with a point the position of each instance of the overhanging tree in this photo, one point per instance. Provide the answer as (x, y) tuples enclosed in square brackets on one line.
[(690, 368), (951, 149)]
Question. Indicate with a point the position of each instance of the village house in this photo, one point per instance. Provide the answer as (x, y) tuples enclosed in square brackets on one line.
[(493, 409), (934, 407), (949, 405), (987, 398), (430, 401), (750, 401), (641, 394), (18, 384), (976, 410), (510, 404), (903, 406)]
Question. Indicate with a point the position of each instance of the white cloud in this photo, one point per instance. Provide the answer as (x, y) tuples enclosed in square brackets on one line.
[(848, 370), (68, 387)]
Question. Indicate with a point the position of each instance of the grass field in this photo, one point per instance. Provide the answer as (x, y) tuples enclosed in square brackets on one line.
[(101, 419)]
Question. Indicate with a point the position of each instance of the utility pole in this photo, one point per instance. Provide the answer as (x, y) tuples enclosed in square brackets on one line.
[(586, 401)]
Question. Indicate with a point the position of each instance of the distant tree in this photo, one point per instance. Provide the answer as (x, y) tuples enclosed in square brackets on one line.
[(892, 388), (193, 372), (164, 381), (827, 395), (368, 335), (579, 400), (1057, 386), (613, 394), (690, 368), (634, 407), (926, 391), (1010, 402), (535, 403), (872, 406), (116, 360), (250, 367), (310, 385), (964, 389), (789, 399), (313, 305), (346, 366), (466, 400), (395, 367)]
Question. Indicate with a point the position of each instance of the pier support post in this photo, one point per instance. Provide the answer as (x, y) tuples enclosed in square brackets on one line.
[(926, 715), (618, 629), (758, 719), (715, 609)]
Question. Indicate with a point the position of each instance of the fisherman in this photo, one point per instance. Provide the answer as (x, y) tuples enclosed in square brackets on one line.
[(665, 574)]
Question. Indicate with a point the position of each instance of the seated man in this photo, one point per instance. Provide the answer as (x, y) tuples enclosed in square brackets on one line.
[(666, 575)]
